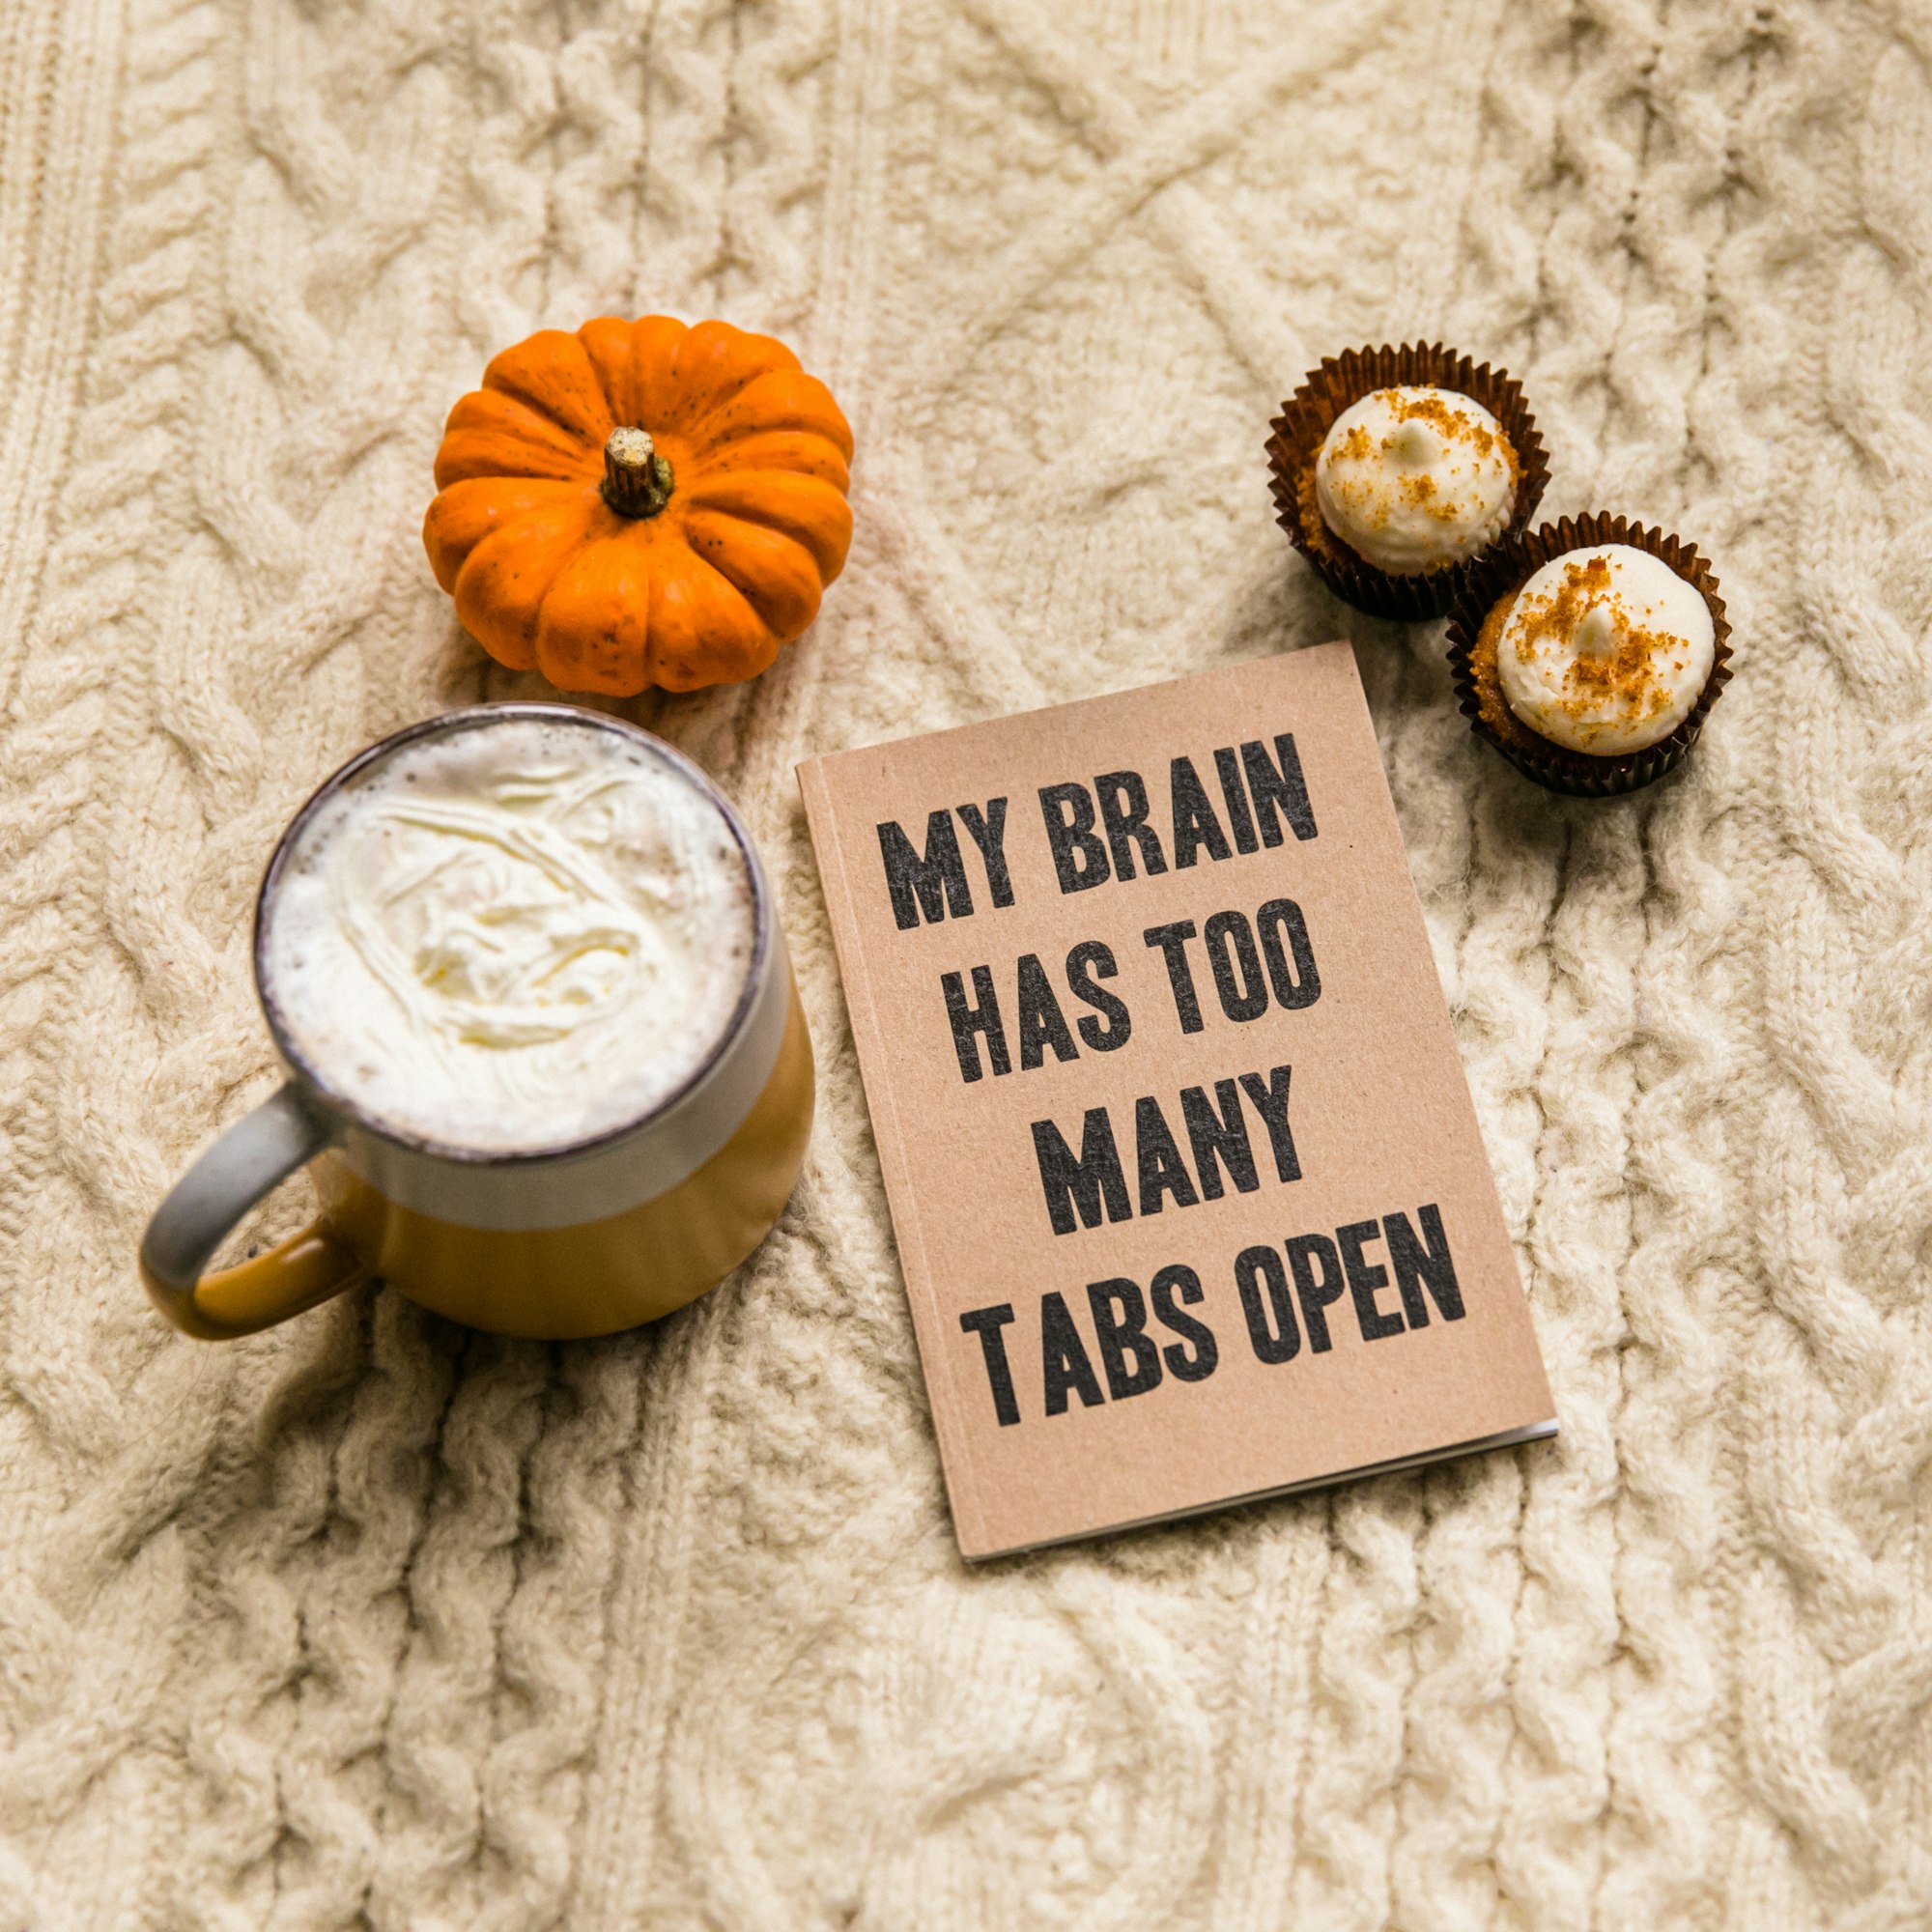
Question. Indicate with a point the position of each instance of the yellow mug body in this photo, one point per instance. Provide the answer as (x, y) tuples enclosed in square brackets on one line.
[(584, 1241), (592, 1277)]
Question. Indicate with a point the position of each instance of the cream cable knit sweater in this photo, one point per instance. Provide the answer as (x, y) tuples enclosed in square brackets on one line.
[(373, 1620)]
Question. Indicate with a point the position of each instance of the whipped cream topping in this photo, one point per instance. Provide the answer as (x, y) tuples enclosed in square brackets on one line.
[(1414, 479), (511, 937), (1605, 650)]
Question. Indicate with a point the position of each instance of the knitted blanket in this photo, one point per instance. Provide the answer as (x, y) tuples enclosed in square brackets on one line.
[(375, 1620)]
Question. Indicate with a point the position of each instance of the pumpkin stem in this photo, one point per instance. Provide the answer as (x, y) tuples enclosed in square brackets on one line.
[(637, 479)]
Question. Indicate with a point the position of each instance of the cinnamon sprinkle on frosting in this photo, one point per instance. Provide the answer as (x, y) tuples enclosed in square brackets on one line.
[(1606, 651), (1414, 479)]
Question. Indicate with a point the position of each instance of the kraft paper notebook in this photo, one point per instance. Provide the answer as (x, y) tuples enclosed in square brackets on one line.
[(1187, 1185)]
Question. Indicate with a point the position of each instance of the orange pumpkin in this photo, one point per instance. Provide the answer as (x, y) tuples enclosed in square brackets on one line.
[(640, 504)]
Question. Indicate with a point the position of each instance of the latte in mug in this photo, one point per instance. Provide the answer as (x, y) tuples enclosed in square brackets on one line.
[(511, 940), (543, 1043)]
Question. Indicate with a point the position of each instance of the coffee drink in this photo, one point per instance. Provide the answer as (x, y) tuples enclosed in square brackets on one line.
[(510, 940), (546, 1063)]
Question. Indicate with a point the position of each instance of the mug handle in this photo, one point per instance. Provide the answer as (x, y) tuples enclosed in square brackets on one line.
[(255, 1155)]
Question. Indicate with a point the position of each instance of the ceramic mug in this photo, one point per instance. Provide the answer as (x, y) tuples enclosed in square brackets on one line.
[(578, 1241)]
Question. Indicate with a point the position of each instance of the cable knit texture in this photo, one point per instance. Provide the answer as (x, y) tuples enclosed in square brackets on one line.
[(371, 1620)]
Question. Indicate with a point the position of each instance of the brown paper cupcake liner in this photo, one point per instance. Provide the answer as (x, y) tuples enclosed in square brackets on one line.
[(1499, 575), (1306, 418)]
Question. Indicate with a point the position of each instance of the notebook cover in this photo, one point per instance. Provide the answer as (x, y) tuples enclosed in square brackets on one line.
[(1188, 1189)]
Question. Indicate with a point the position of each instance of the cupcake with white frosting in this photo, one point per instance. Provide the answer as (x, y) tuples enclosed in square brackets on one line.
[(1396, 469), (1590, 653)]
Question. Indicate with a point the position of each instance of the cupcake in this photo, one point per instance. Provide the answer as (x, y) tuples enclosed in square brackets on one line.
[(1590, 653), (1396, 470)]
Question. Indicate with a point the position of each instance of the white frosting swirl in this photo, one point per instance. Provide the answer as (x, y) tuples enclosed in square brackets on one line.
[(1605, 650), (1413, 479), (514, 936)]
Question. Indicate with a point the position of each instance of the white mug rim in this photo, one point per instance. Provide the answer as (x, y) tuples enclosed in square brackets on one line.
[(331, 1100)]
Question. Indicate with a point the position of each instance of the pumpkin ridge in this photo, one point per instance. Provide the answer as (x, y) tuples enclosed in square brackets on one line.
[(539, 409), (673, 419), (775, 573), (740, 383), (527, 513), (477, 456), (666, 408), (490, 434), (506, 415), (769, 452), (752, 641), (800, 403), (711, 485), (717, 354), (506, 627), (779, 520), (469, 502), (557, 381), (609, 342), (593, 620)]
